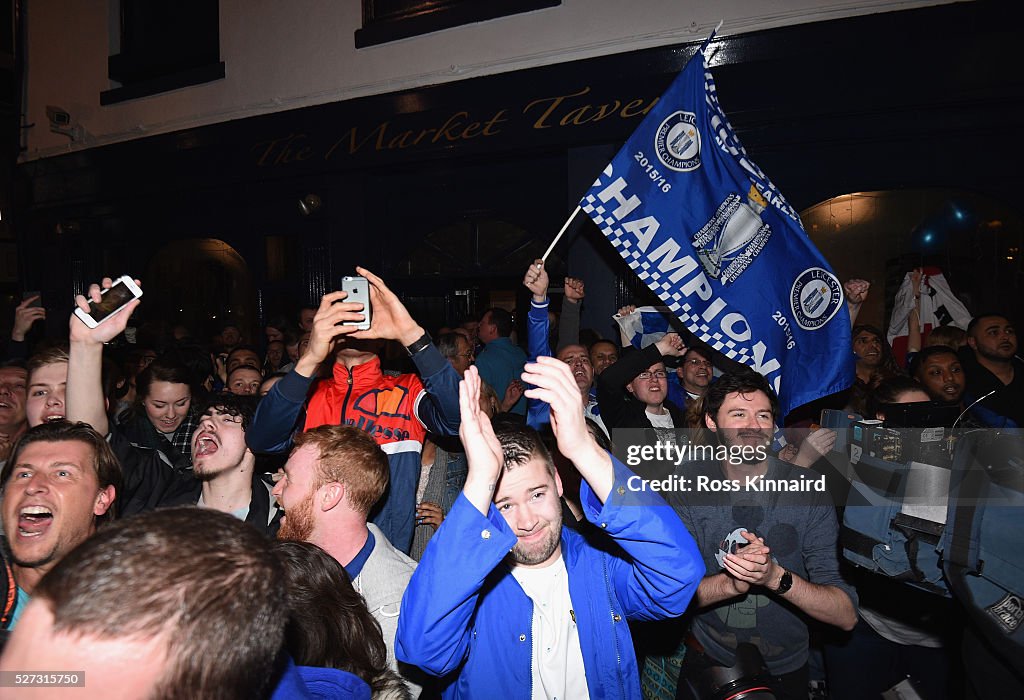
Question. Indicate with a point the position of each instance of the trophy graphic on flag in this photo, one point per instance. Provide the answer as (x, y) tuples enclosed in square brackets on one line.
[(733, 237)]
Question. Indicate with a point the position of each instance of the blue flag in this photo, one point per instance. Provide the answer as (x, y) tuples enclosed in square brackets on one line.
[(711, 235)]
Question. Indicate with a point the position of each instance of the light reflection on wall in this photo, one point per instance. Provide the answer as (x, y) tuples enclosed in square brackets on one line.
[(879, 236)]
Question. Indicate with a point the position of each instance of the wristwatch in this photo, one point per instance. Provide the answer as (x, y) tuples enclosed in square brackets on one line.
[(785, 583), (420, 344)]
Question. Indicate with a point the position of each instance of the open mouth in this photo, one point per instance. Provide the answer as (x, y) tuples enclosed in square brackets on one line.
[(206, 445), (33, 521), (52, 417), (4, 404)]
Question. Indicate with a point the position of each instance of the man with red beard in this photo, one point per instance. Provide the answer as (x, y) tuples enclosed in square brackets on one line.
[(767, 533), (59, 484), (990, 360), (509, 603), (332, 479)]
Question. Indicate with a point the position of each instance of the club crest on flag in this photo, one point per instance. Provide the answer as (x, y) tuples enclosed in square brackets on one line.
[(815, 298), (708, 232), (677, 142)]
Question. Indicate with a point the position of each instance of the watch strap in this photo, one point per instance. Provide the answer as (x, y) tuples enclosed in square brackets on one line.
[(418, 345)]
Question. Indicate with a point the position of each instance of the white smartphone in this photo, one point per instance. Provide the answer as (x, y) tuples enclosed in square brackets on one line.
[(358, 289), (112, 300)]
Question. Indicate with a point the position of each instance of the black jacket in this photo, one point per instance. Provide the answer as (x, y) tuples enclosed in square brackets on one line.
[(619, 409)]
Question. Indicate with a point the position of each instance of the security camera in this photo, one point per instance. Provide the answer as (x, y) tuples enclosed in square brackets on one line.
[(59, 118), (62, 123)]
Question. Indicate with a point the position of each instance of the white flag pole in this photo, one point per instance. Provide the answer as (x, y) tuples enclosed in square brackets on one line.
[(576, 211), (564, 227)]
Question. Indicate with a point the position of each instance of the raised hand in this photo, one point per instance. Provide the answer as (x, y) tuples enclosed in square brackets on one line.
[(111, 327), (512, 395), (814, 447), (574, 290), (328, 325), (390, 319), (24, 316), (536, 280), (856, 291), (671, 345), (553, 383), (483, 451)]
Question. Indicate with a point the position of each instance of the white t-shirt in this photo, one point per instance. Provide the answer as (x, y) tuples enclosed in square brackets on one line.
[(558, 671), (663, 420), (242, 513)]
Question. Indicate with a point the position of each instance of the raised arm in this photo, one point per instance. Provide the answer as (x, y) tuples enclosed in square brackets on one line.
[(278, 412), (536, 280), (85, 399), (856, 292), (914, 317), (554, 384), (25, 314), (664, 566), (438, 408), (569, 323), (468, 545), (611, 384)]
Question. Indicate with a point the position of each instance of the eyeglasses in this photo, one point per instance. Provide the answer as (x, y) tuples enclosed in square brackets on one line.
[(660, 374), (694, 362), (467, 355)]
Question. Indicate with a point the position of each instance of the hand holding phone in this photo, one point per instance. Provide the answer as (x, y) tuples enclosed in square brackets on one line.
[(122, 292), (357, 289)]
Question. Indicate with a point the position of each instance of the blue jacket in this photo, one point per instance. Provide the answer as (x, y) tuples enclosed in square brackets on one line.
[(538, 413), (473, 621), (315, 683)]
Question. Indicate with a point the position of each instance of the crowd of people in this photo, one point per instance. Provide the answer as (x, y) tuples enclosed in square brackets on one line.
[(386, 513)]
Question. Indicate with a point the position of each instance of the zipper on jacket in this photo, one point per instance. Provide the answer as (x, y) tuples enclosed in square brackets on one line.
[(348, 393), (615, 633), (531, 650)]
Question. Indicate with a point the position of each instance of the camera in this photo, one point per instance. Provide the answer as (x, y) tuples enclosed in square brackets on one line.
[(744, 680), (58, 116)]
